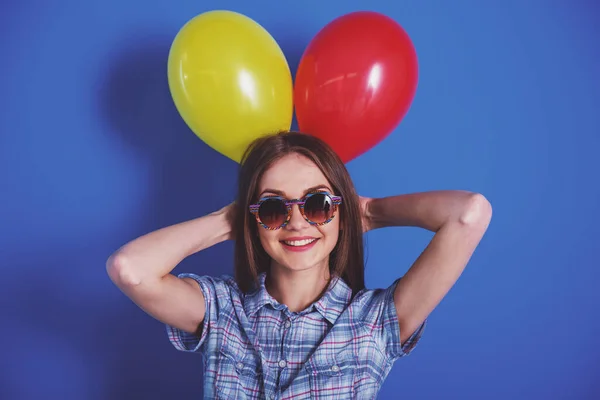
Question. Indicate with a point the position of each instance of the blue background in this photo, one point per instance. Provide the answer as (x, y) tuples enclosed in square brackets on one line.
[(93, 154)]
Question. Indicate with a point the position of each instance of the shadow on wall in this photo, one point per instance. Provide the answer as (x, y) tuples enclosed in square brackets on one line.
[(68, 321), (70, 326), (189, 180)]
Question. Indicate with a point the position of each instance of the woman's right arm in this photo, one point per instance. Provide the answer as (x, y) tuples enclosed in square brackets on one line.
[(142, 269)]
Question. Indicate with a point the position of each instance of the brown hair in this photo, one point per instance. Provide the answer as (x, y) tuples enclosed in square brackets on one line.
[(250, 259)]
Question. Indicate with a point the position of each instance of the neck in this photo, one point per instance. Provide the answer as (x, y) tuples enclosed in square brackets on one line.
[(297, 289)]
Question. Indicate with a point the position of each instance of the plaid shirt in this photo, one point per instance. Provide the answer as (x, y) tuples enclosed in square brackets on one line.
[(256, 348)]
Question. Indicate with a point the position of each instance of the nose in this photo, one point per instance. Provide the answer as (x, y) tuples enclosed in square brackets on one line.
[(297, 221)]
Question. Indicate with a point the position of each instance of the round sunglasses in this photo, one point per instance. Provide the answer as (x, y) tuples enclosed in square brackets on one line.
[(274, 212)]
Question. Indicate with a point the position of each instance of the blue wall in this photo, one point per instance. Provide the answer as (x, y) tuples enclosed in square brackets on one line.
[(93, 153)]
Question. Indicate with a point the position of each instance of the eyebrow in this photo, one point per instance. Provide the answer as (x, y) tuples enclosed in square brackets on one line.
[(282, 194)]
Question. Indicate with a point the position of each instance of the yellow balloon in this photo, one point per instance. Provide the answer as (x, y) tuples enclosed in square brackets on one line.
[(230, 81)]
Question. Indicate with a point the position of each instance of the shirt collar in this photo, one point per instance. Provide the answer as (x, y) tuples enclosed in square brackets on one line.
[(330, 305)]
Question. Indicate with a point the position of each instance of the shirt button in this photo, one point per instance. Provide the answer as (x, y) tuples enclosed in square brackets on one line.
[(288, 324), (272, 397), (282, 364), (335, 368), (240, 365)]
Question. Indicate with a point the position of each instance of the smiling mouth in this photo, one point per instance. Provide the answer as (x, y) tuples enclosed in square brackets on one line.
[(298, 243)]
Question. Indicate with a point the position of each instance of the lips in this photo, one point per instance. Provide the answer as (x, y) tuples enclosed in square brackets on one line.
[(299, 243)]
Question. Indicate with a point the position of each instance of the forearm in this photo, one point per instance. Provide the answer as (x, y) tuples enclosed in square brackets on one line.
[(428, 210), (156, 254)]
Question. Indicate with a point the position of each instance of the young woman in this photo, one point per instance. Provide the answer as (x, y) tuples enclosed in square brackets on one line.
[(297, 321)]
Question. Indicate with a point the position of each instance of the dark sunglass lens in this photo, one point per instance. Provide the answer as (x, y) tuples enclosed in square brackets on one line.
[(272, 213), (318, 208)]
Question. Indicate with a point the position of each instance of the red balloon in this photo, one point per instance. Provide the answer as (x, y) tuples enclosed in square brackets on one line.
[(355, 82)]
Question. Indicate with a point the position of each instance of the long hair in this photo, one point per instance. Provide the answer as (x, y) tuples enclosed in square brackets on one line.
[(250, 259)]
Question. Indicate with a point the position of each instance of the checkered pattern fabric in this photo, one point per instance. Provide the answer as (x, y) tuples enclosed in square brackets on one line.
[(341, 347)]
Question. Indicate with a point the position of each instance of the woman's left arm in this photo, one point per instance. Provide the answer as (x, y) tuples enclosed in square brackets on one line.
[(459, 220)]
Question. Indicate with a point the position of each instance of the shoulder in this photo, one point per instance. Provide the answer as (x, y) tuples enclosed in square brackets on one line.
[(375, 308), (366, 297)]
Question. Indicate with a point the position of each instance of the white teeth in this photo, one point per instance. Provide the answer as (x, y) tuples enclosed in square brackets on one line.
[(299, 242)]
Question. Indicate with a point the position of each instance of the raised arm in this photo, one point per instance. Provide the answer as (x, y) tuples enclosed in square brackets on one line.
[(459, 220), (142, 269)]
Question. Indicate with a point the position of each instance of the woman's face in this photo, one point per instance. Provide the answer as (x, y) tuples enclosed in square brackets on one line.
[(298, 245)]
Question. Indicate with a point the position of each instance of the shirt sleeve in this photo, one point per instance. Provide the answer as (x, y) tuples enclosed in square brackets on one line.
[(217, 297), (380, 318)]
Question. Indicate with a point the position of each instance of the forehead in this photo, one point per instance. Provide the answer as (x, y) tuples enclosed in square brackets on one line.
[(293, 175)]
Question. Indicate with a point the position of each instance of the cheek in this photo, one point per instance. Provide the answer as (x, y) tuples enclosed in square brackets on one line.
[(266, 239), (331, 231)]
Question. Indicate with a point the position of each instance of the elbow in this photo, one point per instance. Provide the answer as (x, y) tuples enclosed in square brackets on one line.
[(120, 271), (477, 212)]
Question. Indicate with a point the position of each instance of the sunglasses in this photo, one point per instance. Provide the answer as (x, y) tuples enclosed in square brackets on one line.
[(274, 212)]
